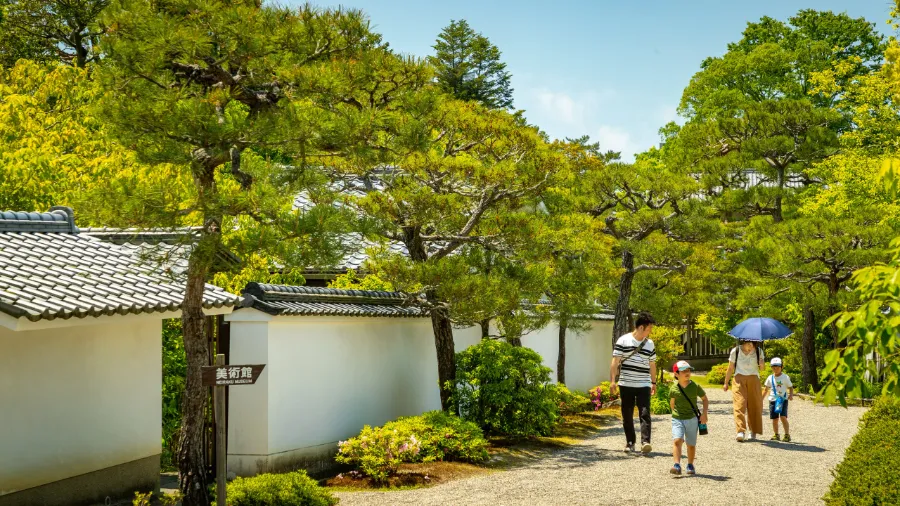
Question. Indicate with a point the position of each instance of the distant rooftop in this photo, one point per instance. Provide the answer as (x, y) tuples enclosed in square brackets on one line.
[(314, 301), (49, 270)]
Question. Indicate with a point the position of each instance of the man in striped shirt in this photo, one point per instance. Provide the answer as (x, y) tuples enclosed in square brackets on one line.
[(636, 355)]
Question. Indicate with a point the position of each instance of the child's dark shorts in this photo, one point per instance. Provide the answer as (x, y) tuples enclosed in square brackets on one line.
[(784, 410)]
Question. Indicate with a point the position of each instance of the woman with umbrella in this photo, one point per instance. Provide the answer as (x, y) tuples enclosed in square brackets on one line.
[(745, 362)]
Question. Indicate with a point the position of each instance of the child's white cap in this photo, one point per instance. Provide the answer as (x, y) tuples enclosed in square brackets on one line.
[(775, 362)]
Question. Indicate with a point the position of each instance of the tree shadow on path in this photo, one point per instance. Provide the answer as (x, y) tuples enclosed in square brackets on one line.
[(794, 447)]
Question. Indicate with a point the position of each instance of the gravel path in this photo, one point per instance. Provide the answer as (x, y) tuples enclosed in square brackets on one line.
[(599, 472)]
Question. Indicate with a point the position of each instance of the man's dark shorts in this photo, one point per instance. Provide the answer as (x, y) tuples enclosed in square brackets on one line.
[(784, 408)]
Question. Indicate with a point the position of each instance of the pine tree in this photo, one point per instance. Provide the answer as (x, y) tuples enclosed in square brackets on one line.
[(203, 86), (468, 67)]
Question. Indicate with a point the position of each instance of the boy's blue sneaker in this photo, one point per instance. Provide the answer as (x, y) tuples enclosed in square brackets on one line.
[(691, 470), (676, 469)]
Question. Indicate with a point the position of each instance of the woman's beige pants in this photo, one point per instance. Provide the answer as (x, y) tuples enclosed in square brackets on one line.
[(747, 395)]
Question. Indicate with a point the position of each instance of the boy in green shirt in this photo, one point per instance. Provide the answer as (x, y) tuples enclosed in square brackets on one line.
[(686, 419)]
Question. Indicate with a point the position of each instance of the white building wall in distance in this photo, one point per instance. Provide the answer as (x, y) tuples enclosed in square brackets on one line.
[(78, 399)]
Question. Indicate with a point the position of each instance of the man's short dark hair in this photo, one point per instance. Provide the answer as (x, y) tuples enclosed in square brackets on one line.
[(644, 318)]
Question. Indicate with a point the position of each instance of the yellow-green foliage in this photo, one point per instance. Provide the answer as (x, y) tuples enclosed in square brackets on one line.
[(289, 489)]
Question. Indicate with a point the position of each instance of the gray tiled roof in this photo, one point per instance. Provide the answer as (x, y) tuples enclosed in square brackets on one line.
[(160, 248), (49, 270), (312, 301)]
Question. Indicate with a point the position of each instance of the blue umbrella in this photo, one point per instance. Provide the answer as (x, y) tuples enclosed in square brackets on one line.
[(760, 329)]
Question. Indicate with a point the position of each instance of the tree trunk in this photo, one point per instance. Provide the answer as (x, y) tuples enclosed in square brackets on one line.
[(623, 303), (440, 323), (446, 354), (515, 341), (808, 349), (561, 358), (485, 328), (191, 453)]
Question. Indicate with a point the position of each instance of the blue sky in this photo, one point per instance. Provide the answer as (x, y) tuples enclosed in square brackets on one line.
[(613, 70)]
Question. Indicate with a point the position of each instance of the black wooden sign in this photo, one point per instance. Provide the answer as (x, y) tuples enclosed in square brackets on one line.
[(231, 375)]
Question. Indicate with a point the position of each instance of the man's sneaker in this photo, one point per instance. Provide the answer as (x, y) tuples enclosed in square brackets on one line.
[(740, 437), (787, 438), (629, 448), (776, 437), (646, 448), (752, 436), (676, 469), (691, 470)]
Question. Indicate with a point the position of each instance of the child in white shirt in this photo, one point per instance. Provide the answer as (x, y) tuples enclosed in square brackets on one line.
[(780, 390)]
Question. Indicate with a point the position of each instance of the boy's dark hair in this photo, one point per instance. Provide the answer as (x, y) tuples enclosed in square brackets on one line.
[(644, 318)]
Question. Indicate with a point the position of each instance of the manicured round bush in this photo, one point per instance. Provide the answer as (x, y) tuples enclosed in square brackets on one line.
[(505, 389), (868, 474), (716, 375), (288, 489)]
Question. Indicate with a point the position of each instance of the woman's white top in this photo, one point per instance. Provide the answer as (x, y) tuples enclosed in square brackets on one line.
[(747, 364)]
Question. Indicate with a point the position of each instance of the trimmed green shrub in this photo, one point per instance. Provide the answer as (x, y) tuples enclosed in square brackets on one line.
[(716, 375), (868, 474), (378, 452), (505, 389), (659, 403), (571, 402), (288, 489)]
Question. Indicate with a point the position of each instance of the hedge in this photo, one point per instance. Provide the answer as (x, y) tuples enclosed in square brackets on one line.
[(869, 472)]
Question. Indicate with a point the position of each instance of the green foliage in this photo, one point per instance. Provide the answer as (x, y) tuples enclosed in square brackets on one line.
[(50, 31), (716, 328), (716, 375), (288, 489), (173, 373), (505, 389), (352, 281), (870, 329), (436, 435), (668, 345), (378, 451), (867, 475), (659, 403), (467, 66), (571, 402)]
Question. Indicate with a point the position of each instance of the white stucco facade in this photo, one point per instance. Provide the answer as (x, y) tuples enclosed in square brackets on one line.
[(78, 399), (326, 377)]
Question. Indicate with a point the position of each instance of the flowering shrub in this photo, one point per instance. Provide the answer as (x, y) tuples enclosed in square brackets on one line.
[(443, 437), (572, 402), (600, 395), (378, 452)]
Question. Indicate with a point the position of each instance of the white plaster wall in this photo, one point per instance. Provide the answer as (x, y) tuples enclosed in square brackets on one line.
[(78, 399), (327, 377)]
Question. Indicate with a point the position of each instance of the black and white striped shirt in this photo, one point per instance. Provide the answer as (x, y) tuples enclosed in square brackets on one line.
[(636, 370)]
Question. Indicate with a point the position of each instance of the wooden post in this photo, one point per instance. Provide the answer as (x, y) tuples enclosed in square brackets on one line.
[(220, 437)]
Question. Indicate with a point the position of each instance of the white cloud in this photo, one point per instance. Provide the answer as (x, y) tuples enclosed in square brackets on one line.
[(571, 111), (612, 138), (668, 113)]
